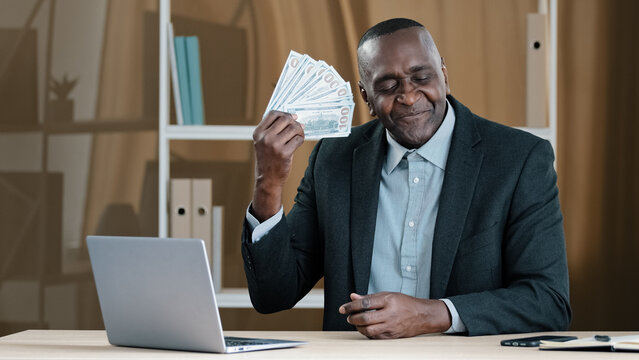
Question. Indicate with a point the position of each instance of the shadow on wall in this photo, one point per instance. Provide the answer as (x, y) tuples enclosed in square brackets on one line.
[(18, 77)]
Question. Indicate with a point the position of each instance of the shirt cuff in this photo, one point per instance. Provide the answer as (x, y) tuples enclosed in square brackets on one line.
[(457, 324), (259, 230)]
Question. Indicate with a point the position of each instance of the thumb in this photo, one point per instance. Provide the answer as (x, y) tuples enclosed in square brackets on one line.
[(355, 296)]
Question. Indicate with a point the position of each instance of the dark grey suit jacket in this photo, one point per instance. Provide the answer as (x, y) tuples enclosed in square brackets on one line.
[(498, 250)]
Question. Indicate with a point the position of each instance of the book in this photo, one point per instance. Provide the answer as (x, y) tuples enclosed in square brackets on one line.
[(174, 77), (596, 343), (183, 78), (195, 80)]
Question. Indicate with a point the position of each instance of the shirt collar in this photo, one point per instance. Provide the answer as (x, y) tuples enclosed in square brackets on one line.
[(435, 150)]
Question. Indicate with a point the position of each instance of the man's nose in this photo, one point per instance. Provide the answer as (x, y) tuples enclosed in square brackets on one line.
[(408, 96)]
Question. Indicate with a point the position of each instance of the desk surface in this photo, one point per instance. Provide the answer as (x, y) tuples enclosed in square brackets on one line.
[(93, 344)]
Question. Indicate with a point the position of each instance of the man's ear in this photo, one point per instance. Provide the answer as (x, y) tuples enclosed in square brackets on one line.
[(364, 95), (445, 71)]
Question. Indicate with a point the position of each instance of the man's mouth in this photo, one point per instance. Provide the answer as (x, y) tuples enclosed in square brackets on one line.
[(411, 116)]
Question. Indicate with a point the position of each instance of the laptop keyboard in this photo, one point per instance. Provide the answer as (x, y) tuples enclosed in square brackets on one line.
[(238, 341)]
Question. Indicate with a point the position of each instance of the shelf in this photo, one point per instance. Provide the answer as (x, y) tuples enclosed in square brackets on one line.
[(102, 125), (19, 128), (224, 132), (209, 132), (86, 126), (239, 298)]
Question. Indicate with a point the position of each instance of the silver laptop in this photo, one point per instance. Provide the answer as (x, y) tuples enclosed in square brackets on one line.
[(158, 293)]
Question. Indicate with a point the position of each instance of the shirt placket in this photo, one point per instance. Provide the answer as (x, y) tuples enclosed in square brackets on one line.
[(409, 251)]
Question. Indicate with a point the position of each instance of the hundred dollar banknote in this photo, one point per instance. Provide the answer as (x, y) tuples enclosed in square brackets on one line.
[(324, 120), (316, 92)]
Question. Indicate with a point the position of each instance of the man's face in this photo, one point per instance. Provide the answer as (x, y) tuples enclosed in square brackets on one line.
[(405, 83)]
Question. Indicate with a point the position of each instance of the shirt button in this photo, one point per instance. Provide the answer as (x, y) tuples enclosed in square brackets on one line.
[(416, 180), (409, 268), (411, 223)]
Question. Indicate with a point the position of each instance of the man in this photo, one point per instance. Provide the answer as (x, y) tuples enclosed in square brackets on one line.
[(427, 219)]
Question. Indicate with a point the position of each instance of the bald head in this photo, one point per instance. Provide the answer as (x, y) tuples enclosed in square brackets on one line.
[(385, 28)]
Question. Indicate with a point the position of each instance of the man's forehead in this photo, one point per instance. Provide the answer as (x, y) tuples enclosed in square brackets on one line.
[(415, 43), (388, 42), (390, 50)]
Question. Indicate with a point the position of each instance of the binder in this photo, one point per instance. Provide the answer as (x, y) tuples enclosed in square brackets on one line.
[(195, 80), (536, 75), (183, 78), (218, 231), (180, 205), (201, 199), (174, 77)]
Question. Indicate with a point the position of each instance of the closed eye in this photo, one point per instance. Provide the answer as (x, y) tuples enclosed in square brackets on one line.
[(386, 86), (422, 77)]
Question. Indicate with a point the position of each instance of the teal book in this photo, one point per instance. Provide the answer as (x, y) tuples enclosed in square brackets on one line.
[(195, 80), (183, 78)]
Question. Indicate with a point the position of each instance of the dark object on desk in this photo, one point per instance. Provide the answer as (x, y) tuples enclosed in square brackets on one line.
[(596, 343), (533, 341), (602, 337)]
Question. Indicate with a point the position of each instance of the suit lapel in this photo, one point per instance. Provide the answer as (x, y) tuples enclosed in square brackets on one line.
[(366, 174), (462, 169)]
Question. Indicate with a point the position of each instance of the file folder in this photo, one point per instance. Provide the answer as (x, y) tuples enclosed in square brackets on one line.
[(180, 206), (201, 199), (536, 72), (218, 231)]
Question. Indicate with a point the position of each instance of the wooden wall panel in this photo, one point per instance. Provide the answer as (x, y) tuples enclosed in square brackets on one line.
[(483, 42)]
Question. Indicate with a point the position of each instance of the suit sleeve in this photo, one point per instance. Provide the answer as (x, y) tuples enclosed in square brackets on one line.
[(535, 293), (288, 261)]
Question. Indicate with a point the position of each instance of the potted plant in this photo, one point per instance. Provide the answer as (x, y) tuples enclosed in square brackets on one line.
[(60, 108)]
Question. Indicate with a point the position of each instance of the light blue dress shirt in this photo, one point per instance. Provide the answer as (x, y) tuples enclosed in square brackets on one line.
[(410, 186), (409, 192)]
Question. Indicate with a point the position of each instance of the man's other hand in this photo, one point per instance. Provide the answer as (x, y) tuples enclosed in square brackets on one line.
[(276, 138), (389, 315)]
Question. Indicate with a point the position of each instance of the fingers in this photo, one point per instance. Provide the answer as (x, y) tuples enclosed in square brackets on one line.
[(363, 303), (366, 314), (292, 135), (377, 331), (271, 117), (392, 315), (276, 121), (367, 318), (279, 132), (365, 310)]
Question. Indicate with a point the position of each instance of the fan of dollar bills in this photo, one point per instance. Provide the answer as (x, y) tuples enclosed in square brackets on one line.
[(314, 91)]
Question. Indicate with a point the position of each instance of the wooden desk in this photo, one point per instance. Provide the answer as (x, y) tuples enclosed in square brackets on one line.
[(93, 344)]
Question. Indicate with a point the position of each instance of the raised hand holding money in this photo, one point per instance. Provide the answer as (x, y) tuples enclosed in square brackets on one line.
[(276, 138), (319, 96), (310, 100)]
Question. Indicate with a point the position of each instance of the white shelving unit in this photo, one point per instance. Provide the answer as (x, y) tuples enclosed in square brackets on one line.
[(549, 8), (209, 132), (238, 297), (226, 297)]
